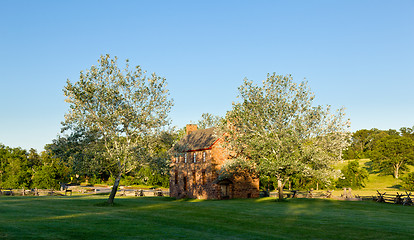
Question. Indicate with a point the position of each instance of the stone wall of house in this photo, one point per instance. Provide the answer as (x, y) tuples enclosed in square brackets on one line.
[(195, 179)]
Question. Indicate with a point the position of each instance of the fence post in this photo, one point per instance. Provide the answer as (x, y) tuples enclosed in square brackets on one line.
[(349, 193)]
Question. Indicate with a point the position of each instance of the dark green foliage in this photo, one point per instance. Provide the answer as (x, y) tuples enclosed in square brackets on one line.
[(45, 177), (15, 170), (407, 132), (22, 169), (50, 173), (296, 182), (306, 183), (84, 153), (391, 151), (408, 181), (147, 176), (392, 154), (363, 142), (353, 176)]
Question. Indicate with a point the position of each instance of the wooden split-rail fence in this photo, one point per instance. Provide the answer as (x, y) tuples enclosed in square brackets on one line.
[(29, 192), (300, 194), (66, 191), (143, 192), (403, 199)]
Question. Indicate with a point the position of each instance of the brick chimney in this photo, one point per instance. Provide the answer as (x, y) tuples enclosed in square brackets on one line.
[(190, 128)]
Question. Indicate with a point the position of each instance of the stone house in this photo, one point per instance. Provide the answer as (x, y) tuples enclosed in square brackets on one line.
[(197, 159)]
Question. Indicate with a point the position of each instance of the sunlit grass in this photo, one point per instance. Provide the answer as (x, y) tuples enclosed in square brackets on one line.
[(376, 181), (84, 217)]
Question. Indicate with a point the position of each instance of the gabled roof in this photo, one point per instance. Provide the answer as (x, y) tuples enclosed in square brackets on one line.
[(197, 140)]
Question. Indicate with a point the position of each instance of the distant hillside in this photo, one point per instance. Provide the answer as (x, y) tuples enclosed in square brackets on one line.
[(377, 181)]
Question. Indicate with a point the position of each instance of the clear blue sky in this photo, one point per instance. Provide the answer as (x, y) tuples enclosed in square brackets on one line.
[(355, 54)]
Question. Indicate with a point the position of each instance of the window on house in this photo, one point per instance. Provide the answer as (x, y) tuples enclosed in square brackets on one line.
[(176, 177), (203, 177), (185, 157), (185, 184), (195, 157), (204, 156), (194, 178)]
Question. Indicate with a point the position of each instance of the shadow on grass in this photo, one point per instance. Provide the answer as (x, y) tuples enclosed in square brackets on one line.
[(398, 187), (370, 168), (102, 194), (106, 204)]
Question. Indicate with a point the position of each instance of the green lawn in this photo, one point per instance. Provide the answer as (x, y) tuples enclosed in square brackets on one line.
[(83, 217)]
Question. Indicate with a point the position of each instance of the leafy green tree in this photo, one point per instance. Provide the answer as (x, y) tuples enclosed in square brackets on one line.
[(160, 156), (34, 158), (83, 152), (152, 176), (407, 132), (392, 154), (124, 106), (51, 172), (44, 178), (353, 176), (15, 169), (363, 141), (156, 170), (275, 131)]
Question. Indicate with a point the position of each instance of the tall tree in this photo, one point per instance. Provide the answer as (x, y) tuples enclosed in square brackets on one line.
[(275, 131), (83, 152), (50, 172), (392, 154), (208, 120), (407, 132), (124, 106), (15, 169), (363, 141)]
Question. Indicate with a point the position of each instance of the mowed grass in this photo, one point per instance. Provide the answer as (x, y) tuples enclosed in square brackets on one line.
[(84, 217)]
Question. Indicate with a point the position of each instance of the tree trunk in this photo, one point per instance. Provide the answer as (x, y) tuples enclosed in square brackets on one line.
[(114, 190), (396, 168), (280, 188)]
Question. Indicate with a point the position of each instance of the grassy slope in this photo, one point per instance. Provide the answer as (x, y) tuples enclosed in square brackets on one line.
[(376, 181), (81, 217)]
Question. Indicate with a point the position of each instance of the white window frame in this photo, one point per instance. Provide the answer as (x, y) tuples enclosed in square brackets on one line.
[(204, 156), (195, 157), (185, 158)]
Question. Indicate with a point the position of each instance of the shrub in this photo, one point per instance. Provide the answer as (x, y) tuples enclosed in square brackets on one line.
[(48, 176), (353, 176), (45, 177), (408, 181)]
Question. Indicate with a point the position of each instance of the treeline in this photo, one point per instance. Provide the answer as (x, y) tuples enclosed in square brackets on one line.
[(28, 169), (390, 151), (79, 157)]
